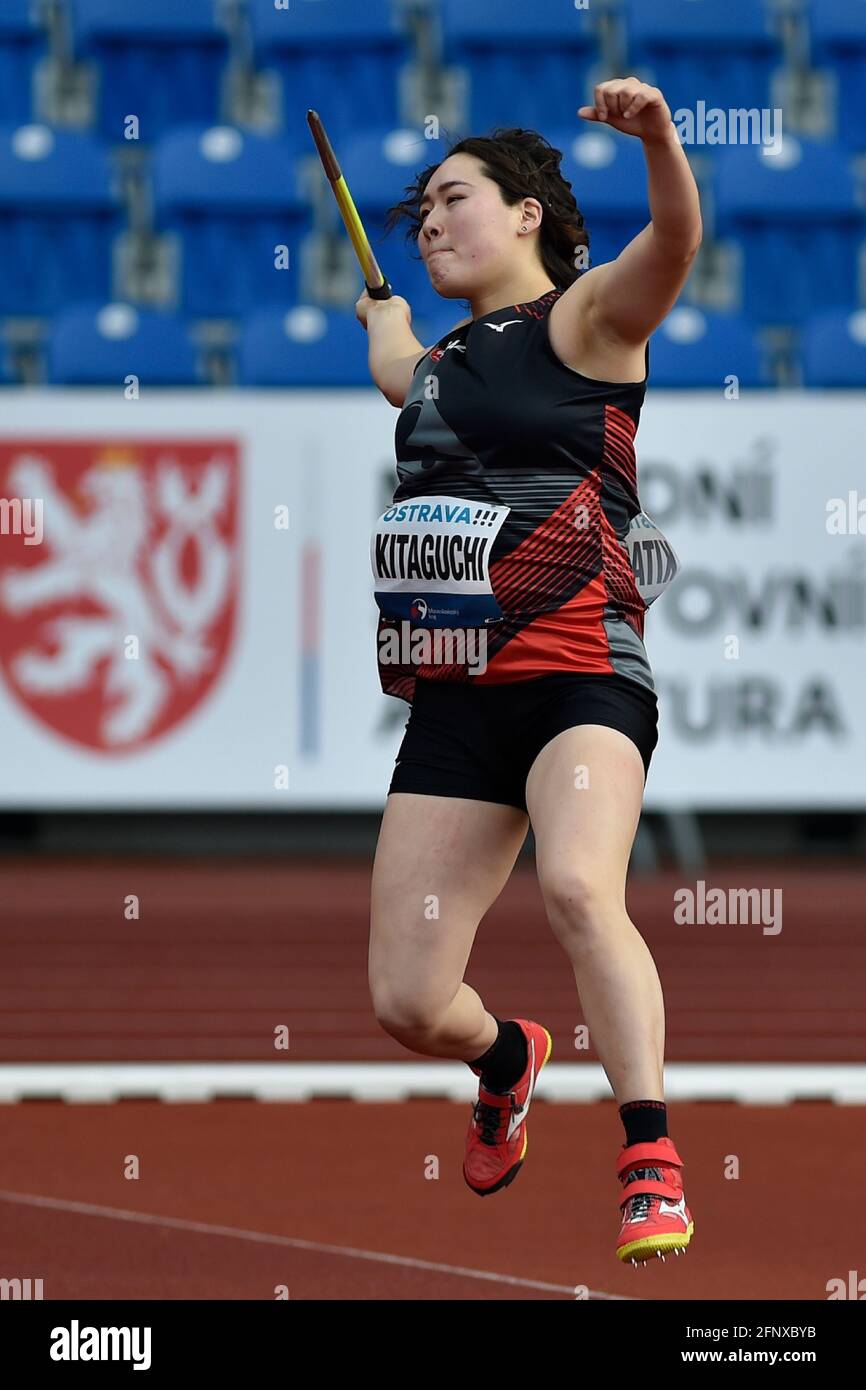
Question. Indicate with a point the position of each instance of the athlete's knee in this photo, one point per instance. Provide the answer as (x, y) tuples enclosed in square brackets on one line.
[(578, 904), (403, 1015)]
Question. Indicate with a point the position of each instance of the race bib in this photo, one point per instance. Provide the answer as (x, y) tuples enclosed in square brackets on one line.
[(431, 561), (653, 558)]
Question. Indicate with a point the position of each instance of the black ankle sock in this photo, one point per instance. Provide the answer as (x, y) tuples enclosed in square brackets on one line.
[(644, 1120), (504, 1062)]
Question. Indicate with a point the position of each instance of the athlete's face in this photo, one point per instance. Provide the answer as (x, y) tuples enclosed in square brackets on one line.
[(468, 234)]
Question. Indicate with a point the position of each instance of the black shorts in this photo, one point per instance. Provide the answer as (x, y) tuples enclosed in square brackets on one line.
[(480, 741)]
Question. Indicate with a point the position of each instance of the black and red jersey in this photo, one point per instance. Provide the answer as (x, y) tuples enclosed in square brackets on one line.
[(494, 416)]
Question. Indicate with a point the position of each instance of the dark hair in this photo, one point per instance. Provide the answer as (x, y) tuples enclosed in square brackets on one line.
[(523, 164)]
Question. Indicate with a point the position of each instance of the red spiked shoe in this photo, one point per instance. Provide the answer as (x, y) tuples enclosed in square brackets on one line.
[(655, 1218)]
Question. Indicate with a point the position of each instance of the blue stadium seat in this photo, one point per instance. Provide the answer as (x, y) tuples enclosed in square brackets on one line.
[(693, 348), (58, 215), (834, 348), (231, 199), (528, 63), (380, 161), (607, 173), (306, 346), (718, 51), (838, 30), (341, 58), (21, 44), (159, 60), (7, 375), (102, 344), (798, 221)]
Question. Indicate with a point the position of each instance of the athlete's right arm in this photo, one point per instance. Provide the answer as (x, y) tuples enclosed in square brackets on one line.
[(394, 351)]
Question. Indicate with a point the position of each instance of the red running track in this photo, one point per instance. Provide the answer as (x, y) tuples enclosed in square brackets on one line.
[(330, 1199), (352, 1175), (224, 952)]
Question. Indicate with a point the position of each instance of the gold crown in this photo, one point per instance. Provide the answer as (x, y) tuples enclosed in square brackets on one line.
[(115, 457)]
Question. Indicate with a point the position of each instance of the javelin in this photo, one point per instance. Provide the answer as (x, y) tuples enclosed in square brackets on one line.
[(377, 285)]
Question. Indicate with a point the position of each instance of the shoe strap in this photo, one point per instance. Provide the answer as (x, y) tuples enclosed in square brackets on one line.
[(501, 1100), (648, 1155), (658, 1189)]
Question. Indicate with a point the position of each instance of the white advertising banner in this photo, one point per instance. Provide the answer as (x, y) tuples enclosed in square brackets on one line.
[(759, 646), (187, 620)]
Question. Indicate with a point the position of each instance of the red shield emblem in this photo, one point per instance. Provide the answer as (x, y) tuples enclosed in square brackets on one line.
[(119, 568)]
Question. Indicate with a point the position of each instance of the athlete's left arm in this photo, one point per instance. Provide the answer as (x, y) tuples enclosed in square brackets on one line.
[(625, 300)]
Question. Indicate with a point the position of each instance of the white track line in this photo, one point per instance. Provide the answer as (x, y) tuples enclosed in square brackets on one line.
[(95, 1082), (175, 1223)]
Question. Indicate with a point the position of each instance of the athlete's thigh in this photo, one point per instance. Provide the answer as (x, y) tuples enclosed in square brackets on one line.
[(440, 863), (584, 793)]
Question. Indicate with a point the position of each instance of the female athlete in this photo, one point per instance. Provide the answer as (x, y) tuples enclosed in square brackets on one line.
[(517, 488)]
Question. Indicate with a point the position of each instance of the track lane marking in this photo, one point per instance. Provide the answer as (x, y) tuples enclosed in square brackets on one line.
[(294, 1242)]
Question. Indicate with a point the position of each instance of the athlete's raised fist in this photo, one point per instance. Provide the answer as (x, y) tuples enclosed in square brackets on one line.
[(630, 105)]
